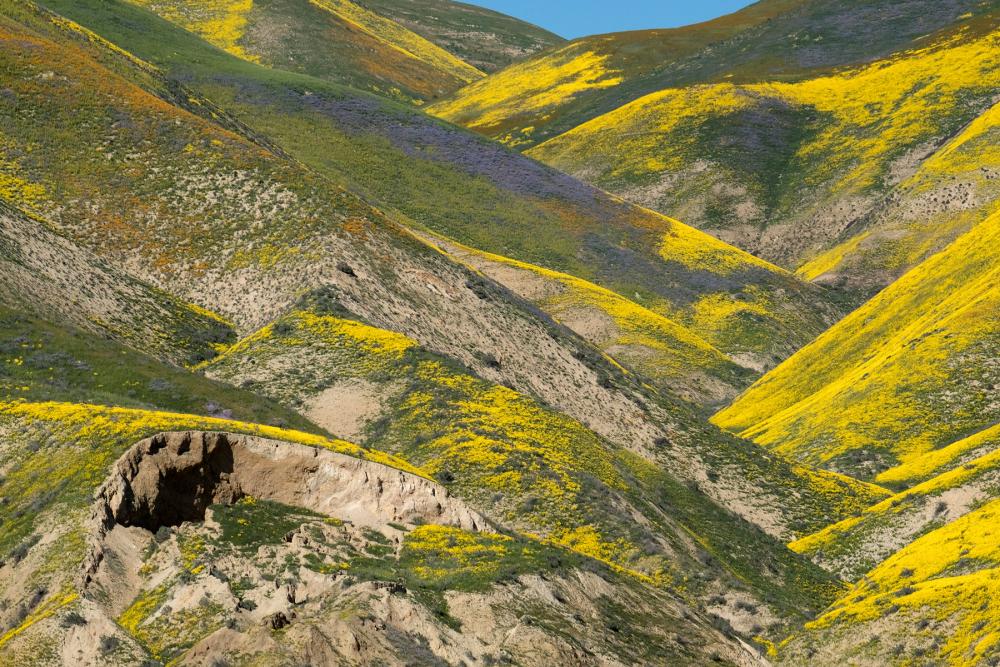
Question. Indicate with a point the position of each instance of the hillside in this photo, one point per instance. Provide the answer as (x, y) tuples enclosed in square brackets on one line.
[(950, 191), (669, 354), (335, 40), (423, 173), (853, 546), (173, 188), (155, 589), (932, 602), (525, 466), (897, 381), (542, 97), (45, 274), (293, 372), (483, 38), (786, 170)]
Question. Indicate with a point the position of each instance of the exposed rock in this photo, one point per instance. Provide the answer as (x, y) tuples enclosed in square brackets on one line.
[(174, 477)]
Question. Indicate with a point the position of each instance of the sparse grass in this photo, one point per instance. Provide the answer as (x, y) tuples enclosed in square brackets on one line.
[(40, 361), (250, 523)]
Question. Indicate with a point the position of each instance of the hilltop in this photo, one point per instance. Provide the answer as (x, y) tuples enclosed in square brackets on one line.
[(786, 129), (544, 96), (485, 39), (336, 40), (788, 170)]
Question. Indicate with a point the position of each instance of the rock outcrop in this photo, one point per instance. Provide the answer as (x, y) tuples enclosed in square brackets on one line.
[(171, 478)]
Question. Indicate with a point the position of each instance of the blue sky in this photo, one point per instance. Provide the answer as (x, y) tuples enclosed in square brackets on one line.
[(576, 18)]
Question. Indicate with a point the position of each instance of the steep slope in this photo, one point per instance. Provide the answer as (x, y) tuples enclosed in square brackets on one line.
[(669, 354), (481, 37), (853, 546), (250, 258), (335, 40), (558, 90), (521, 464), (425, 173), (933, 602), (951, 190), (909, 373), (45, 274), (786, 170)]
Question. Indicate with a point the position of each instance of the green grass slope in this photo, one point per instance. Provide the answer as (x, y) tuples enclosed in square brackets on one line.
[(481, 37), (897, 381), (42, 361), (788, 170), (558, 90), (335, 40), (425, 173)]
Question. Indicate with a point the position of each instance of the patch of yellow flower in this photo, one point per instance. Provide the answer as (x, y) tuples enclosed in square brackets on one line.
[(220, 22), (904, 240), (951, 576), (204, 312), (454, 552), (642, 137), (919, 468), (700, 251), (533, 86), (142, 608), (898, 374), (370, 340), (45, 610), (15, 187), (876, 516), (890, 104), (397, 37)]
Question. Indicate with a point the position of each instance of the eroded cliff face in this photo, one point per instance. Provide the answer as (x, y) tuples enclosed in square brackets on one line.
[(211, 546), (173, 478)]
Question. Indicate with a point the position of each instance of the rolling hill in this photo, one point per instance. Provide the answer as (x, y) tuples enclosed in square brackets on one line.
[(786, 170), (560, 89), (853, 546), (538, 440), (897, 381), (425, 174), (813, 135), (950, 191), (292, 372), (524, 465), (662, 350), (481, 37), (336, 40), (48, 276)]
